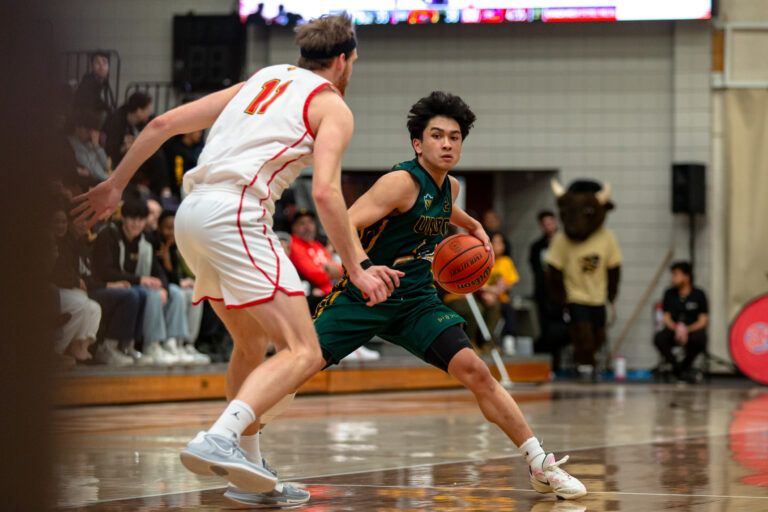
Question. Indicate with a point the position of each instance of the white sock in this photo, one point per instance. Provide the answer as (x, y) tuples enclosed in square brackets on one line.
[(250, 444), (533, 452), (235, 418)]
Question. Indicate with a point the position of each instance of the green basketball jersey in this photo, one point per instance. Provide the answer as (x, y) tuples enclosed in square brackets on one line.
[(406, 241)]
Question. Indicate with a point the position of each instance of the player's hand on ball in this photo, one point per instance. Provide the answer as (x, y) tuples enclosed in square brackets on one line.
[(480, 234), (97, 204)]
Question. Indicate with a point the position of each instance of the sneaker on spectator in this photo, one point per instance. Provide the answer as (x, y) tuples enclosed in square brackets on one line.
[(363, 354), (160, 356), (366, 354), (198, 357), (171, 345), (139, 359), (109, 354)]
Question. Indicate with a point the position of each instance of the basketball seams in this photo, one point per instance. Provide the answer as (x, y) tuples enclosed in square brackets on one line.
[(479, 272), (471, 276), (448, 263)]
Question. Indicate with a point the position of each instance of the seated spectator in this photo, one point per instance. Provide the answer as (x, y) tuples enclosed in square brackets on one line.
[(92, 161), (121, 128), (181, 154), (686, 315), (492, 224), (311, 258), (180, 278), (285, 209), (121, 305), (122, 253), (94, 92), (503, 277), (83, 314)]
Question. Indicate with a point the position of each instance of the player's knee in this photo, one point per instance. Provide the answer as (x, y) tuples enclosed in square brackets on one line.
[(309, 357), (476, 374)]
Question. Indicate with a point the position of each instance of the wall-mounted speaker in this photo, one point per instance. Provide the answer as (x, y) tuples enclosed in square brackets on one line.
[(208, 52), (688, 188)]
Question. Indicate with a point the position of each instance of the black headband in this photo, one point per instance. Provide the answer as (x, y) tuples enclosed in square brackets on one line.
[(344, 47)]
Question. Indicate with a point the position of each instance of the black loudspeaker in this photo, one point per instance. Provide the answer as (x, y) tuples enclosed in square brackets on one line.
[(688, 188), (208, 52)]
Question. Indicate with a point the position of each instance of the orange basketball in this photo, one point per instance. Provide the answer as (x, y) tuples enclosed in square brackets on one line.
[(462, 264)]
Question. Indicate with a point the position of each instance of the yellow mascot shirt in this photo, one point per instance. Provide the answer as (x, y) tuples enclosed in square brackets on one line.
[(585, 265)]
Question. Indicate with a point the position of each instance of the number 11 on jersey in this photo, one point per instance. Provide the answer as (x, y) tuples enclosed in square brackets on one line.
[(270, 91)]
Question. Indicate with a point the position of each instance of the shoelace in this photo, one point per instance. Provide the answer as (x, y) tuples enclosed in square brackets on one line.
[(557, 464)]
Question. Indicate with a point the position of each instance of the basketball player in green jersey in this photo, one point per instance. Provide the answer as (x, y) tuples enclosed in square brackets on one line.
[(401, 219)]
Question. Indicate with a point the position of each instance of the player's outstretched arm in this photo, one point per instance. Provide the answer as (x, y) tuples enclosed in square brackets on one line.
[(99, 202), (462, 219), (334, 124)]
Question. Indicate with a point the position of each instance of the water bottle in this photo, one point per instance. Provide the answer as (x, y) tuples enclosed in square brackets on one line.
[(620, 368)]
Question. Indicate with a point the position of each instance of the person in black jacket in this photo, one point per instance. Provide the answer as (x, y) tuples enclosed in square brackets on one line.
[(121, 253), (94, 92), (121, 128), (686, 316), (181, 154), (554, 332)]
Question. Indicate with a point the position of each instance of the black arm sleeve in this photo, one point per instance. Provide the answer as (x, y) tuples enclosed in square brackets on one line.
[(614, 276), (555, 285)]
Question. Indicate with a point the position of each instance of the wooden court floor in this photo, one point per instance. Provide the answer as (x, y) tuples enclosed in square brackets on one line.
[(642, 448)]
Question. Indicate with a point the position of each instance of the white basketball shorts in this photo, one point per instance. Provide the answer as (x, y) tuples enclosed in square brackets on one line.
[(236, 257)]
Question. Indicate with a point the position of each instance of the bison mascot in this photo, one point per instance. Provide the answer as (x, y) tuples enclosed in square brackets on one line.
[(584, 267)]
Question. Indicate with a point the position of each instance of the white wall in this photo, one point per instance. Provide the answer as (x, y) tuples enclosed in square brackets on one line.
[(612, 102)]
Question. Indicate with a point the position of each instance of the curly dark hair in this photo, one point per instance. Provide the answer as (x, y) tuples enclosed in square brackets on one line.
[(439, 103)]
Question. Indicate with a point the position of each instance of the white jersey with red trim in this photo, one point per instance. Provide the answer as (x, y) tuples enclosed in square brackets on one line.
[(262, 139)]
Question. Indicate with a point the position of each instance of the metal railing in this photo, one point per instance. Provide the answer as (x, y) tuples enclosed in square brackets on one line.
[(77, 63), (164, 95)]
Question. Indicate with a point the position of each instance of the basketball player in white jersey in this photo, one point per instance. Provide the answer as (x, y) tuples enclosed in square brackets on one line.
[(263, 133)]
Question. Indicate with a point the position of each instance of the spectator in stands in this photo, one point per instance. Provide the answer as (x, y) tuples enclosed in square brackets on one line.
[(503, 277), (316, 265), (120, 130), (82, 325), (536, 255), (122, 253), (285, 210), (554, 331), (94, 92), (311, 258), (491, 221), (121, 305), (686, 316), (92, 160), (492, 224), (285, 241), (181, 280), (181, 154), (123, 126)]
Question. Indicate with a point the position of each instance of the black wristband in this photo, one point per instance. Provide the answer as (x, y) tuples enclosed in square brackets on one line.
[(366, 264)]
